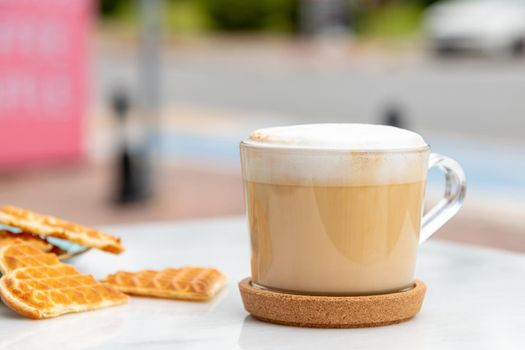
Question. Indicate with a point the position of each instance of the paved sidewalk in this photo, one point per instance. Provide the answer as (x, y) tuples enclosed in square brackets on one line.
[(84, 193)]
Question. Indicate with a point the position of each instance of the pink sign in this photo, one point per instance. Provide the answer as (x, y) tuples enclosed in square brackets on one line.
[(43, 85)]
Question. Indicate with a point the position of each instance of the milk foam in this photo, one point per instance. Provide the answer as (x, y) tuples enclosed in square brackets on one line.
[(337, 136), (334, 155)]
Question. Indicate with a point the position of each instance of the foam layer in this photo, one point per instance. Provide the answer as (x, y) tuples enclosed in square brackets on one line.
[(306, 155), (337, 136)]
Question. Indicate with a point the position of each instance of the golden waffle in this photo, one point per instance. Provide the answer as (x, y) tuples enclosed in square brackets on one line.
[(8, 238), (38, 285), (45, 225), (187, 283)]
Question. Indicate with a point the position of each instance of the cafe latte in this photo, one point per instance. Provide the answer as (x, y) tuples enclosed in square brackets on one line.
[(334, 208)]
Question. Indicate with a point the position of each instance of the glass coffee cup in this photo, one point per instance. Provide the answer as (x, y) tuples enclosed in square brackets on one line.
[(336, 209)]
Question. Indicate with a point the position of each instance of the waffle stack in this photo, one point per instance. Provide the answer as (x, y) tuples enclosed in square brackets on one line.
[(37, 285)]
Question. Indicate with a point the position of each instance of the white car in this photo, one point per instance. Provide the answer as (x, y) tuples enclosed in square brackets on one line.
[(493, 27)]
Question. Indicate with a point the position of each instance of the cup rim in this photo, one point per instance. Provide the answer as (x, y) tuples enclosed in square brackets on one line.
[(303, 149)]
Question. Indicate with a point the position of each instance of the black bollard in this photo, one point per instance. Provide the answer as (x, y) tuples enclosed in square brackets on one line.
[(133, 166), (393, 116)]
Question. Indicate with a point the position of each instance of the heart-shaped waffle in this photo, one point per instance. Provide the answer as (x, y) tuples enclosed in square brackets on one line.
[(37, 285)]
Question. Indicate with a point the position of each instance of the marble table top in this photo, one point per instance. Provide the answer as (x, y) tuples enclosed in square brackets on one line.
[(475, 300)]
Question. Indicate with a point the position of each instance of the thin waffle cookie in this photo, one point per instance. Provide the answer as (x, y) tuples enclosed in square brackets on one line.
[(186, 283), (45, 225), (9, 238), (38, 285)]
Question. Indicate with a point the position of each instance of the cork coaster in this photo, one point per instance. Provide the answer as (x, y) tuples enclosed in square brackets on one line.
[(331, 311)]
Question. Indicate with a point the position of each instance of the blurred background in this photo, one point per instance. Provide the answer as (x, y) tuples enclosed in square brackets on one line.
[(117, 111)]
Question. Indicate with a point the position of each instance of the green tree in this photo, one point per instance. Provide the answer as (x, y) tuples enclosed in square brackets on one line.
[(238, 15)]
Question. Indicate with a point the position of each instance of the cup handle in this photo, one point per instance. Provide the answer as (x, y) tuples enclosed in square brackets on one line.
[(449, 205)]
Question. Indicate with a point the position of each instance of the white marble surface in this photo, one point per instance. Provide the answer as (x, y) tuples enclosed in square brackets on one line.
[(475, 300)]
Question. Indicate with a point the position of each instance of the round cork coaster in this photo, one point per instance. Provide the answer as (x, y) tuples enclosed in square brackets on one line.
[(331, 311)]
